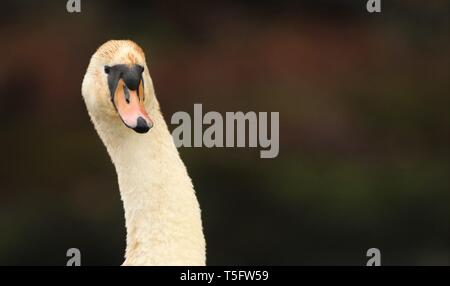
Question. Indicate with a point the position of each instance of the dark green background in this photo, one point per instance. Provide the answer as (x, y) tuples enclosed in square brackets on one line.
[(364, 128)]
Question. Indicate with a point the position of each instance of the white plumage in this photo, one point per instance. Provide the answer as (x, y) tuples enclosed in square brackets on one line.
[(162, 213)]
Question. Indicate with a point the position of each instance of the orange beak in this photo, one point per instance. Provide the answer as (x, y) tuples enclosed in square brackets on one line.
[(131, 109)]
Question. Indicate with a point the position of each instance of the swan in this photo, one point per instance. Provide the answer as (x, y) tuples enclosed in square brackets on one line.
[(162, 213)]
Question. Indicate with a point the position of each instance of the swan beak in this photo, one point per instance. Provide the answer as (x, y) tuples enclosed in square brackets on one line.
[(130, 106)]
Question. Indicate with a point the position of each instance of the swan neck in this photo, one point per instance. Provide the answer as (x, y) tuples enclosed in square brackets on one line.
[(162, 213)]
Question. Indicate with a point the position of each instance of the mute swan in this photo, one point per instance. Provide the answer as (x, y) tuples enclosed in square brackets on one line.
[(162, 214)]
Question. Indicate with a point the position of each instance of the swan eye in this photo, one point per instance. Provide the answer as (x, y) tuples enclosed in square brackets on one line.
[(107, 69)]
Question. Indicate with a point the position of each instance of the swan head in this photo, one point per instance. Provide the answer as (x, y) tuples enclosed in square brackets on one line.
[(114, 85)]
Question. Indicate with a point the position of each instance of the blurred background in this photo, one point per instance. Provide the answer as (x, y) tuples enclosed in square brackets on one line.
[(364, 128)]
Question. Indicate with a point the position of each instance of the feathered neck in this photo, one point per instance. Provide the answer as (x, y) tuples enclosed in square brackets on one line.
[(162, 213)]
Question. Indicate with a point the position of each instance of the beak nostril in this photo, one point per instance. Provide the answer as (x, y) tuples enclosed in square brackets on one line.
[(126, 92)]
